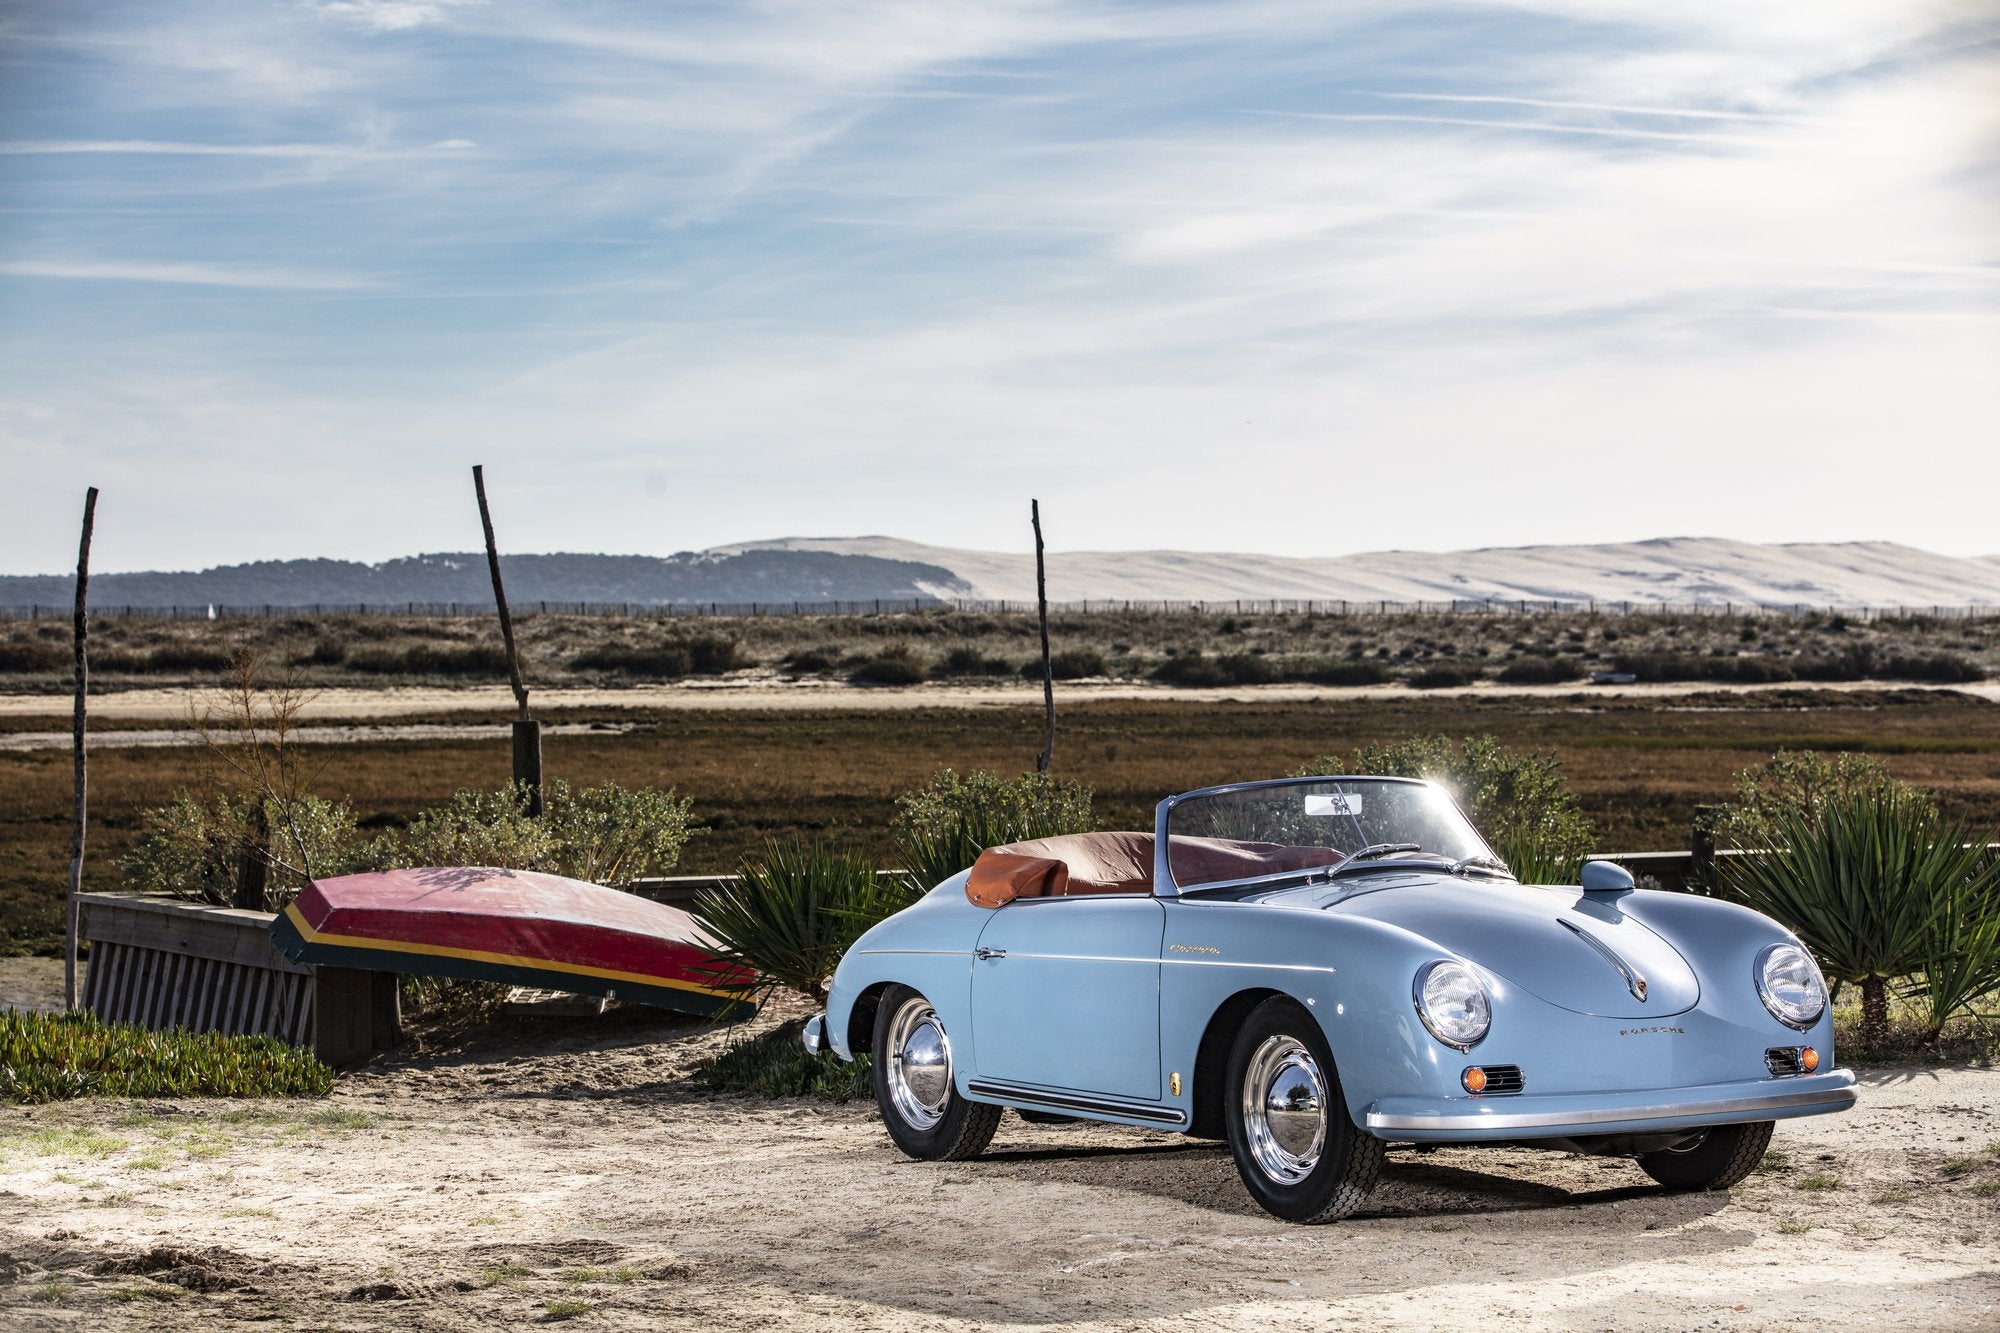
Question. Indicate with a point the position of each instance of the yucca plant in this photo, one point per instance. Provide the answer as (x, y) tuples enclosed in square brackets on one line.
[(791, 915), (1962, 953), (1864, 878)]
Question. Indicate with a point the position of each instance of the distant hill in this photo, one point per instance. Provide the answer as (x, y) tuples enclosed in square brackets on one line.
[(1681, 570), (693, 576), (1701, 570)]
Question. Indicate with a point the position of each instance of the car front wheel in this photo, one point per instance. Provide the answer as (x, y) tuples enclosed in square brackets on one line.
[(919, 1102), (1299, 1153), (1720, 1157)]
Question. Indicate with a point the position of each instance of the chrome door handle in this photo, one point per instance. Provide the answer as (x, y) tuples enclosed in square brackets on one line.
[(982, 954)]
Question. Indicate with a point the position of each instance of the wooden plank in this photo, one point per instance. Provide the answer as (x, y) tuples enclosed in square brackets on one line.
[(223, 934)]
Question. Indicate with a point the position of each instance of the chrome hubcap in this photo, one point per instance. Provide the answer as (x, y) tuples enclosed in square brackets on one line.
[(1284, 1109), (919, 1072)]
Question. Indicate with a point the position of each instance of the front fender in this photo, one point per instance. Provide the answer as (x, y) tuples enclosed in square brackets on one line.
[(927, 946)]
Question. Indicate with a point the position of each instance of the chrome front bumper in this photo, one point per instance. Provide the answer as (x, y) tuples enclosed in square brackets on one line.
[(1472, 1119), (814, 1036)]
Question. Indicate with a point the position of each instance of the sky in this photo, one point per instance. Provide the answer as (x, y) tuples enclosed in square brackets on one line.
[(1304, 279)]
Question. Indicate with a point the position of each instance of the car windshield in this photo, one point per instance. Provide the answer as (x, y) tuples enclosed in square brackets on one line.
[(1275, 828)]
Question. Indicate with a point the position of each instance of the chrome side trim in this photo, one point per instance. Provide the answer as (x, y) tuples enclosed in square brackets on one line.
[(1828, 1097), (1633, 981), (1012, 1093)]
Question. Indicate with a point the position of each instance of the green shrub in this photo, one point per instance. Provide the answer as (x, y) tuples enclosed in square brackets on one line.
[(46, 1057), (666, 661), (194, 849), (1961, 964), (813, 661), (1070, 664), (793, 914), (1349, 671), (425, 659), (777, 1064), (1197, 671), (1541, 671), (943, 826), (1518, 799), (895, 665), (34, 655), (608, 834), (1867, 879), (1444, 676), (1798, 781), (969, 661)]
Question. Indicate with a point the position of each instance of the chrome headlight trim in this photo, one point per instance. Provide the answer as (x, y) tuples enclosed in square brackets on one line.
[(1799, 1019), (1463, 1041)]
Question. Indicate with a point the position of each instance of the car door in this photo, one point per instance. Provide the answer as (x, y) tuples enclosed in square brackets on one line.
[(1066, 994)]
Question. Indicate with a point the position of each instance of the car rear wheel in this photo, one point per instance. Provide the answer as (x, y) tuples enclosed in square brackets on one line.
[(914, 1090), (1721, 1157), (1299, 1153)]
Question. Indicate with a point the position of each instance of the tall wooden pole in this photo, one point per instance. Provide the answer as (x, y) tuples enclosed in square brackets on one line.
[(76, 742), (527, 731), (1048, 666)]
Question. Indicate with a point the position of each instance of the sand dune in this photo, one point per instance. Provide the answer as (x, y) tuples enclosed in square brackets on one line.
[(1704, 570)]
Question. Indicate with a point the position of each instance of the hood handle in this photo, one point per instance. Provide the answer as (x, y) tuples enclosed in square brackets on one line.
[(1633, 981)]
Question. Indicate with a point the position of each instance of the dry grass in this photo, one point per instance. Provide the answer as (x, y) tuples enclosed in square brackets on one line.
[(1640, 765)]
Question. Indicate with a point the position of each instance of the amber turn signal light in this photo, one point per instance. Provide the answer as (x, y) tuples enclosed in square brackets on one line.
[(1474, 1079), (1809, 1059)]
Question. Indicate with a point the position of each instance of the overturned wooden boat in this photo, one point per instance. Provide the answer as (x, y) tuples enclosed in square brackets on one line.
[(516, 926)]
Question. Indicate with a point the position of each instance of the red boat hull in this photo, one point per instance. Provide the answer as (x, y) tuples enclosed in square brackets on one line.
[(512, 926)]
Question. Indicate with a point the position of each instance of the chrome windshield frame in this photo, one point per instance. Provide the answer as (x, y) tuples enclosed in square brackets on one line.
[(1163, 877)]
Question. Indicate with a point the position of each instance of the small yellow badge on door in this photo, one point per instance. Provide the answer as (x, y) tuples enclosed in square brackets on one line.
[(1174, 1084)]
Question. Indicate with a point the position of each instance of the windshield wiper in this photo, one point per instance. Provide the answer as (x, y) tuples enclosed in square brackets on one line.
[(1492, 865), (1375, 849)]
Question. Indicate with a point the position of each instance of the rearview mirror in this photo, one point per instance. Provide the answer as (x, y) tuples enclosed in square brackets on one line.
[(1606, 877)]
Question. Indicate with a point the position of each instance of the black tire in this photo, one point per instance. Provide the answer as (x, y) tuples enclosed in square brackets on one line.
[(928, 1119), (1335, 1172), (1720, 1158)]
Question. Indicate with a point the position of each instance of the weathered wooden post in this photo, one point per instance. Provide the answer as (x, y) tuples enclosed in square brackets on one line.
[(1048, 666), (82, 635), (527, 731)]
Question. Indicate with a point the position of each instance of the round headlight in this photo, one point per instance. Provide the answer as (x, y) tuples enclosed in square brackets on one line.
[(1789, 985), (1452, 1003)]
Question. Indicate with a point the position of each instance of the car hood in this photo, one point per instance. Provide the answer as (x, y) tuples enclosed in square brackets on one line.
[(1556, 944)]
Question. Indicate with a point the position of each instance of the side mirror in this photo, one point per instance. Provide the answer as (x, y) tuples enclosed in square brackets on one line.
[(1606, 877)]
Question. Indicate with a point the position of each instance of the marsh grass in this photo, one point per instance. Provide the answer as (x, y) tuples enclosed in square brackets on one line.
[(1639, 765)]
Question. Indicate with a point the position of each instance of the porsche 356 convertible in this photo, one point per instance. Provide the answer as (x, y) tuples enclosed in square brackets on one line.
[(1316, 968)]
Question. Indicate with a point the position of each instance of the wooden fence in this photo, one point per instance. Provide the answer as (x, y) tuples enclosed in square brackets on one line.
[(1094, 606), (163, 964)]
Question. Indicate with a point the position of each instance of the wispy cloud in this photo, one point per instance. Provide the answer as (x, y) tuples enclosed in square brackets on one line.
[(912, 257), (1670, 112), (168, 148), (1524, 126), (183, 274)]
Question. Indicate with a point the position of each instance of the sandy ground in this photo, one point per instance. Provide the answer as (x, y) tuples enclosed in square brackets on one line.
[(173, 704), (573, 1169)]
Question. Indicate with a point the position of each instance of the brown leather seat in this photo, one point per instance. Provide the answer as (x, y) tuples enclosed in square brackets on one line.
[(1092, 863)]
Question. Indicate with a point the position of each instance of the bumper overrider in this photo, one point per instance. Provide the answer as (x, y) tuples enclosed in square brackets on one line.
[(1574, 1115), (814, 1036)]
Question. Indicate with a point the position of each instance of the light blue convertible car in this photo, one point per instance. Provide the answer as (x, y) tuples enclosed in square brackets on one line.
[(1316, 968)]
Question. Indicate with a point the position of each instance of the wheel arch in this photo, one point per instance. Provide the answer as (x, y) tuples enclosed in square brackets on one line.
[(1211, 1061), (861, 1017)]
